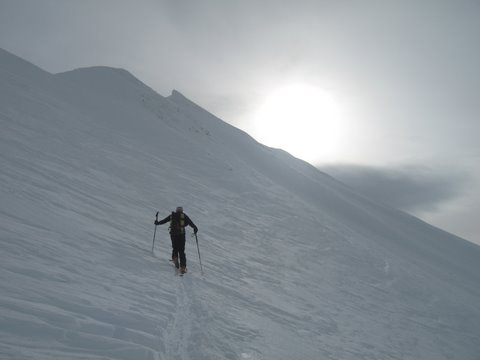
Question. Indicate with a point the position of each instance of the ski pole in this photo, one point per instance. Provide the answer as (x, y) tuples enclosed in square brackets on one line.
[(155, 231), (198, 249)]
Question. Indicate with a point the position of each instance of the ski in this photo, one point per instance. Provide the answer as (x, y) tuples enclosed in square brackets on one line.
[(178, 270)]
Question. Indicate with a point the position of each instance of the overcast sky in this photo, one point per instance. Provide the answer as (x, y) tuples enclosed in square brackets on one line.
[(384, 94)]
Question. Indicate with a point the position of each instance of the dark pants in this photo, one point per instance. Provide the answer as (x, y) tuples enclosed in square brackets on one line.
[(178, 246)]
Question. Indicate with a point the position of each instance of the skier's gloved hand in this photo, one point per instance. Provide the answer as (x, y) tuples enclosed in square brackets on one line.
[(157, 222), (195, 231)]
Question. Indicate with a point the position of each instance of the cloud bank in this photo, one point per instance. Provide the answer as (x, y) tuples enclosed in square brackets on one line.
[(413, 189)]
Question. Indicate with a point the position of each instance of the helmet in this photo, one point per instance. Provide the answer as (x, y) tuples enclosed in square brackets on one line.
[(179, 209)]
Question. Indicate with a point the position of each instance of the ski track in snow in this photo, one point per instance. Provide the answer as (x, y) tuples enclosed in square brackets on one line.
[(179, 330)]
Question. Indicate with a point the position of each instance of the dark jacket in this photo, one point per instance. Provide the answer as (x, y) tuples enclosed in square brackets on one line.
[(178, 221)]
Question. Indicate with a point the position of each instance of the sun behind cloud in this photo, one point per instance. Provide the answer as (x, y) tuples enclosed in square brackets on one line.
[(301, 119)]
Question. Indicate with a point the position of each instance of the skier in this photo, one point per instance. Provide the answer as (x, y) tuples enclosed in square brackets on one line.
[(178, 220)]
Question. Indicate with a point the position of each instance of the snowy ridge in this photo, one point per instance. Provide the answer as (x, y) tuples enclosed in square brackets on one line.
[(296, 264)]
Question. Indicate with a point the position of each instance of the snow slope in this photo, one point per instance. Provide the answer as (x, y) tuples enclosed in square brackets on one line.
[(296, 265)]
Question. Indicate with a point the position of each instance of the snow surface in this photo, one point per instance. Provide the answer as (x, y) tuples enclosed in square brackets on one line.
[(296, 265)]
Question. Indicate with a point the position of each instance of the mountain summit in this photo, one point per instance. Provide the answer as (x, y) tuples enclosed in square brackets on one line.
[(296, 265)]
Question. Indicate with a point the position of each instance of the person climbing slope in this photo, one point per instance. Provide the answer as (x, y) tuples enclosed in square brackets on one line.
[(178, 221)]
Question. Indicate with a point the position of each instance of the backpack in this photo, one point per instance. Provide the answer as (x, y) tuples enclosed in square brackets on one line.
[(177, 223)]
